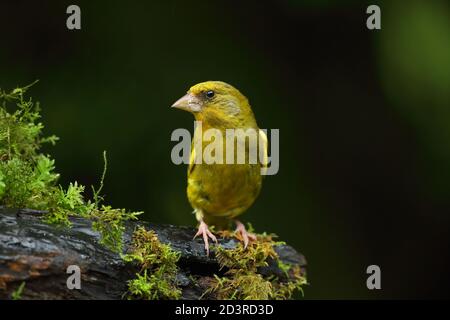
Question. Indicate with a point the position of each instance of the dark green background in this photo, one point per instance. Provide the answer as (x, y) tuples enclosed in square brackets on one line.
[(364, 119)]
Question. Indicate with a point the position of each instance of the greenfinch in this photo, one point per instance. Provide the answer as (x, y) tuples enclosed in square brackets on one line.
[(220, 192)]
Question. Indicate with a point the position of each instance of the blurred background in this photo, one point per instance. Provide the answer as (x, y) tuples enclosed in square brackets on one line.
[(364, 119)]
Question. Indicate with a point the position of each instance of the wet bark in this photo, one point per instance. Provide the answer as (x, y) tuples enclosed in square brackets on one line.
[(38, 254)]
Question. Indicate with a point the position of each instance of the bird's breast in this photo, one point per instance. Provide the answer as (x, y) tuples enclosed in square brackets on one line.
[(220, 188)]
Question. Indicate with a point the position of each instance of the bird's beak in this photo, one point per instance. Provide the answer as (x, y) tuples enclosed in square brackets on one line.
[(188, 102)]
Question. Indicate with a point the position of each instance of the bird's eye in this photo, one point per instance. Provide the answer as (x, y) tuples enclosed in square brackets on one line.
[(210, 94)]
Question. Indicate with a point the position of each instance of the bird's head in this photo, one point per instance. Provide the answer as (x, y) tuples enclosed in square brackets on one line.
[(215, 101)]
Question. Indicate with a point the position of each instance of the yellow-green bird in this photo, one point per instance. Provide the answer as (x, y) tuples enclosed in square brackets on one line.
[(219, 192)]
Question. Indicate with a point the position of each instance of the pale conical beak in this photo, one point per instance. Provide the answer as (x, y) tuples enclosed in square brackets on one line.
[(189, 103)]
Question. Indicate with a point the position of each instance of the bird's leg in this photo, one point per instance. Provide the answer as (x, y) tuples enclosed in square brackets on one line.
[(204, 231), (246, 236)]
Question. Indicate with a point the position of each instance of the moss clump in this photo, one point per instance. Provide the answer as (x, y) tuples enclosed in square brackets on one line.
[(242, 281), (156, 278), (17, 294), (28, 179), (26, 176), (286, 289)]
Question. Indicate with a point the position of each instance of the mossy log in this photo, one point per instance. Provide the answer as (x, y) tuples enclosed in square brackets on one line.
[(38, 254)]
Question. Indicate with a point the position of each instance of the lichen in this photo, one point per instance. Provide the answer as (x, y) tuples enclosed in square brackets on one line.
[(157, 264), (242, 281)]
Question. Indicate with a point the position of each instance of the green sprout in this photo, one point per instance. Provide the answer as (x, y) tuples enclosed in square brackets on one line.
[(17, 294)]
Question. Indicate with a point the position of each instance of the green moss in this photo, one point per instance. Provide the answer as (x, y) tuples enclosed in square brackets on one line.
[(242, 281), (286, 289), (28, 178), (2, 184), (17, 294), (157, 262), (110, 223), (63, 204)]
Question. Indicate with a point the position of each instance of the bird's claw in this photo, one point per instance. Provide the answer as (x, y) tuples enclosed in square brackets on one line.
[(204, 231), (246, 236)]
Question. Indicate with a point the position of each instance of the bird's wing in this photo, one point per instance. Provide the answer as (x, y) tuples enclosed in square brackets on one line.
[(263, 153), (192, 158)]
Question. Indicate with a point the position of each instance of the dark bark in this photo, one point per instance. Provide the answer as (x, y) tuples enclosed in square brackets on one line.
[(39, 254)]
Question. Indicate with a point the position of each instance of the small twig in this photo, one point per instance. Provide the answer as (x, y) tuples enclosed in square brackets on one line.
[(96, 193)]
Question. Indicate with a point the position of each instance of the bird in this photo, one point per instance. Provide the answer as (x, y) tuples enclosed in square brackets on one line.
[(220, 192)]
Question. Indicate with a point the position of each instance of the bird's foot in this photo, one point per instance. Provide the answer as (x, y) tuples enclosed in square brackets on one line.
[(204, 231), (246, 236)]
